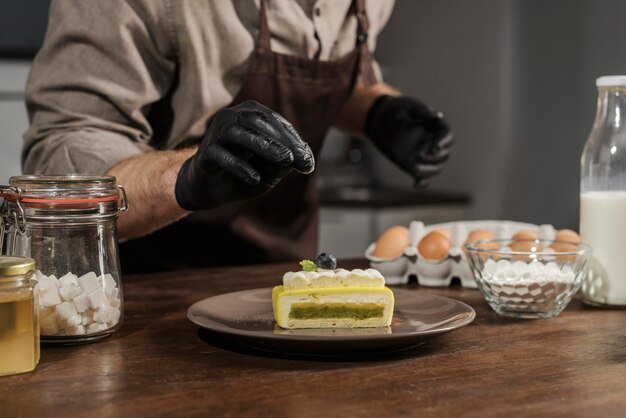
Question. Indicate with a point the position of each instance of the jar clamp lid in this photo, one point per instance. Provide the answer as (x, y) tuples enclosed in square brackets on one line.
[(15, 266), (70, 197)]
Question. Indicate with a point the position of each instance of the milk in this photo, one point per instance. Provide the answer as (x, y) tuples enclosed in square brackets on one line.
[(603, 226)]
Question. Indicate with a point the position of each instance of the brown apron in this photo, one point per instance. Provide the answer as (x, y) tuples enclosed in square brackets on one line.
[(282, 224)]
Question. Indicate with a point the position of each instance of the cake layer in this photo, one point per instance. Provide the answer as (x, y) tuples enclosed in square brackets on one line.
[(312, 310), (333, 278), (348, 307)]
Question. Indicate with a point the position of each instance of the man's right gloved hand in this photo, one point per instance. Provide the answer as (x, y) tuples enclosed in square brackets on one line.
[(247, 150)]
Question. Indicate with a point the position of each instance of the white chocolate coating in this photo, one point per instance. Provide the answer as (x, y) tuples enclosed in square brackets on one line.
[(333, 278)]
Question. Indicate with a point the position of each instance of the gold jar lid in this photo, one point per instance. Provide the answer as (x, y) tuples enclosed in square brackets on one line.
[(15, 266)]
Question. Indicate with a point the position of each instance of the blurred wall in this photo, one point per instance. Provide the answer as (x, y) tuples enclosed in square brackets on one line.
[(561, 47), (454, 56), (516, 79), (13, 119)]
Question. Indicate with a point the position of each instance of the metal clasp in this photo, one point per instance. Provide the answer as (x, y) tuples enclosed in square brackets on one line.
[(18, 218), (4, 190), (124, 198), (9, 216), (3, 216)]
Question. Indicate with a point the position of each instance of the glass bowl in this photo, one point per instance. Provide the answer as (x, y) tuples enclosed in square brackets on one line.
[(528, 278)]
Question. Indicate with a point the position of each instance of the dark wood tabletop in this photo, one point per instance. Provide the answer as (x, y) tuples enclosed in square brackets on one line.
[(157, 364)]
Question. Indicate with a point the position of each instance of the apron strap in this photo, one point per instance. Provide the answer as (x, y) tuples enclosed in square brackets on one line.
[(264, 29), (366, 69)]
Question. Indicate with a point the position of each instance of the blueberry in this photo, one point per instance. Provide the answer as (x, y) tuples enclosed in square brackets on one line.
[(326, 261)]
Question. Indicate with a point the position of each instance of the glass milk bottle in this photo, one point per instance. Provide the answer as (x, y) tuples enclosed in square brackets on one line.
[(603, 196)]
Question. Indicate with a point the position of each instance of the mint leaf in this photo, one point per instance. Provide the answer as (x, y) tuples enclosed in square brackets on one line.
[(308, 265)]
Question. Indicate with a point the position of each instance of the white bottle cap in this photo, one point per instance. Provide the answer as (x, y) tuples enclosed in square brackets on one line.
[(611, 80)]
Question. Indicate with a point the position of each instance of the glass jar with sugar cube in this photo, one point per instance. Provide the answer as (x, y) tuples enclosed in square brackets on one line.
[(19, 313), (67, 224)]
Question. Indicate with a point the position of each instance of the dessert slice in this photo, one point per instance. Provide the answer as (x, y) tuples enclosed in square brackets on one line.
[(332, 298)]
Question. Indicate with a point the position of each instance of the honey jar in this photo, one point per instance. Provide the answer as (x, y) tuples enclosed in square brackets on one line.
[(19, 316)]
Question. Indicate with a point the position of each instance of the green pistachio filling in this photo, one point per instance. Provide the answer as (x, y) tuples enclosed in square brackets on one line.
[(336, 310)]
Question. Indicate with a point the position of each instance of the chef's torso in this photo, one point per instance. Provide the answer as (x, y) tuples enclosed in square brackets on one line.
[(216, 40)]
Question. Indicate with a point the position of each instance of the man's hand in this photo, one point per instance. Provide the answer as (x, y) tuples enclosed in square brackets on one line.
[(410, 134), (247, 150)]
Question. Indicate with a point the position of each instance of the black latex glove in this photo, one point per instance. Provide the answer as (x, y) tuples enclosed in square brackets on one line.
[(247, 150), (409, 133)]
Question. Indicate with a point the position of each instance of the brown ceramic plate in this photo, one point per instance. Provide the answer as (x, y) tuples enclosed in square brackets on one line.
[(246, 317)]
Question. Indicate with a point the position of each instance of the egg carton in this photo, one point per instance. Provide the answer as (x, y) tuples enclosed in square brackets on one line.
[(440, 273)]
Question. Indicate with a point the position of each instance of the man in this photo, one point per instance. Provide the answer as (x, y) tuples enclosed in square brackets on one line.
[(211, 113)]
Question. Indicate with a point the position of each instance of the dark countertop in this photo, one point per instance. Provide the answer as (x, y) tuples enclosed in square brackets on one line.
[(157, 365)]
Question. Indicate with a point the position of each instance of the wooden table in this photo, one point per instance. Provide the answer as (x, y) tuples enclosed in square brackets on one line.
[(156, 365)]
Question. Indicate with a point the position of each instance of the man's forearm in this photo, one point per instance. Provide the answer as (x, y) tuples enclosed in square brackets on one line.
[(354, 112), (149, 180)]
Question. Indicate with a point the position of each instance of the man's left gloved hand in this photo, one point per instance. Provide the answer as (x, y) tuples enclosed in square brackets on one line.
[(409, 133)]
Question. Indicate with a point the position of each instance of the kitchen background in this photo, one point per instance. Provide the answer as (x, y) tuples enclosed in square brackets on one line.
[(515, 78)]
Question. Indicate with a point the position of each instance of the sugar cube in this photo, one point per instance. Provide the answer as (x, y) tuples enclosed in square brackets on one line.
[(69, 322), (89, 282), (49, 297), (87, 317), (49, 325), (96, 327), (66, 310), (115, 294), (75, 305), (69, 278), (114, 316), (76, 330), (69, 291), (102, 315), (97, 299), (47, 282), (81, 302), (108, 284), (46, 311), (75, 320), (62, 323), (115, 303)]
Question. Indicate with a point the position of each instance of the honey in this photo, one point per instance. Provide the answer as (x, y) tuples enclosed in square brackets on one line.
[(19, 333), (19, 316)]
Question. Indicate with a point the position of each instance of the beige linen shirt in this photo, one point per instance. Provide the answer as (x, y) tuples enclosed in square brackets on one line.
[(119, 77)]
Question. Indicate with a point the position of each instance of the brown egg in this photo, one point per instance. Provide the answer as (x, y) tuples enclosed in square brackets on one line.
[(567, 235), (392, 242), (569, 243), (446, 233), (487, 245), (564, 247), (525, 234), (525, 246), (434, 246), (483, 235), (479, 234)]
